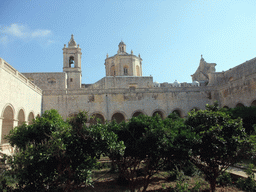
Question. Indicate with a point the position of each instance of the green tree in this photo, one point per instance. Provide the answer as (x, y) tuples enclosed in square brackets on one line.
[(55, 154), (150, 143), (219, 141), (248, 115)]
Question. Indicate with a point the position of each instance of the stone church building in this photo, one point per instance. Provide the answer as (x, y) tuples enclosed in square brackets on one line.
[(123, 93)]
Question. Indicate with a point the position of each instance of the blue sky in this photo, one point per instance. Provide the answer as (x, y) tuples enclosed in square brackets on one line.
[(170, 35)]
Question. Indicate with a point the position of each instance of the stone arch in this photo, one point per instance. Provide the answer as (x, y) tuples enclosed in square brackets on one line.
[(95, 116), (239, 105), (137, 113), (7, 124), (253, 104), (118, 116), (112, 70), (21, 117), (159, 112), (179, 112), (71, 62), (137, 70), (31, 116), (226, 107)]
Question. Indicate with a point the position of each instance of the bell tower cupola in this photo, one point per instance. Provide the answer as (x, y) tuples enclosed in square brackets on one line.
[(121, 47), (72, 64)]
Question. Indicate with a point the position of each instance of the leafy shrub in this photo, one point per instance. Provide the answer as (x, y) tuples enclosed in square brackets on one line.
[(224, 179), (247, 184)]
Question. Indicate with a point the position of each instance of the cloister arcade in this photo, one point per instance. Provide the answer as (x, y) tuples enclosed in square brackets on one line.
[(11, 118)]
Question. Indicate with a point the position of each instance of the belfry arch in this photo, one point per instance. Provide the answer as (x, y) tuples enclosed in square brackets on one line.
[(7, 124), (71, 62)]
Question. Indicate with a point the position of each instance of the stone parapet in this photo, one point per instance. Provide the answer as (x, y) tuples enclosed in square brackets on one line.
[(8, 68)]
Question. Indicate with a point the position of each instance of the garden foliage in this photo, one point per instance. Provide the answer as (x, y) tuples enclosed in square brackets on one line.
[(58, 155), (220, 141)]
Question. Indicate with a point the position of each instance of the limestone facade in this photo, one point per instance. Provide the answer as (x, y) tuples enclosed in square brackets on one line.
[(20, 99), (124, 92)]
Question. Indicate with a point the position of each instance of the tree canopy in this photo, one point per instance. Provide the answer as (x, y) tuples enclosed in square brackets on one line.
[(219, 141)]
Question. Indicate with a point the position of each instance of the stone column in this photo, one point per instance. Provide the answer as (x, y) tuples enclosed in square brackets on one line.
[(15, 123), (1, 127)]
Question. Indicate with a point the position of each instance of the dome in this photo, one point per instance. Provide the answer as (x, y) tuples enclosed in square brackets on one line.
[(121, 43), (195, 83), (176, 83), (156, 84)]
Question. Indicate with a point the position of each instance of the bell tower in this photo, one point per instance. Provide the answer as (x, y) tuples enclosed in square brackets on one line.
[(72, 64)]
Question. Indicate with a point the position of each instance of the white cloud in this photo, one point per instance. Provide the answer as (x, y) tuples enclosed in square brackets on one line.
[(40, 33), (22, 31), (15, 30)]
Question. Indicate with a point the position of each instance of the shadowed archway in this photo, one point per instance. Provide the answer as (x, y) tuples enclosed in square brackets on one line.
[(7, 125), (96, 117), (118, 117)]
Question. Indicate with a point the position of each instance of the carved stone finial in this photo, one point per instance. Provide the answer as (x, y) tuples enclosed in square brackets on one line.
[(72, 42), (107, 55), (64, 45), (139, 55), (131, 52)]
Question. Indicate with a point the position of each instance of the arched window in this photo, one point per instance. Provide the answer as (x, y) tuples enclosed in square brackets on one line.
[(138, 70), (112, 71), (51, 81), (125, 71), (71, 62)]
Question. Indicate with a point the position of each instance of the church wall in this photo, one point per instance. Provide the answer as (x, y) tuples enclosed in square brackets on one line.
[(123, 82), (48, 80), (242, 90), (17, 93), (109, 101)]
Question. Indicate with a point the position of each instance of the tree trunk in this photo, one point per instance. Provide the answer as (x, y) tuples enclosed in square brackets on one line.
[(213, 184)]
